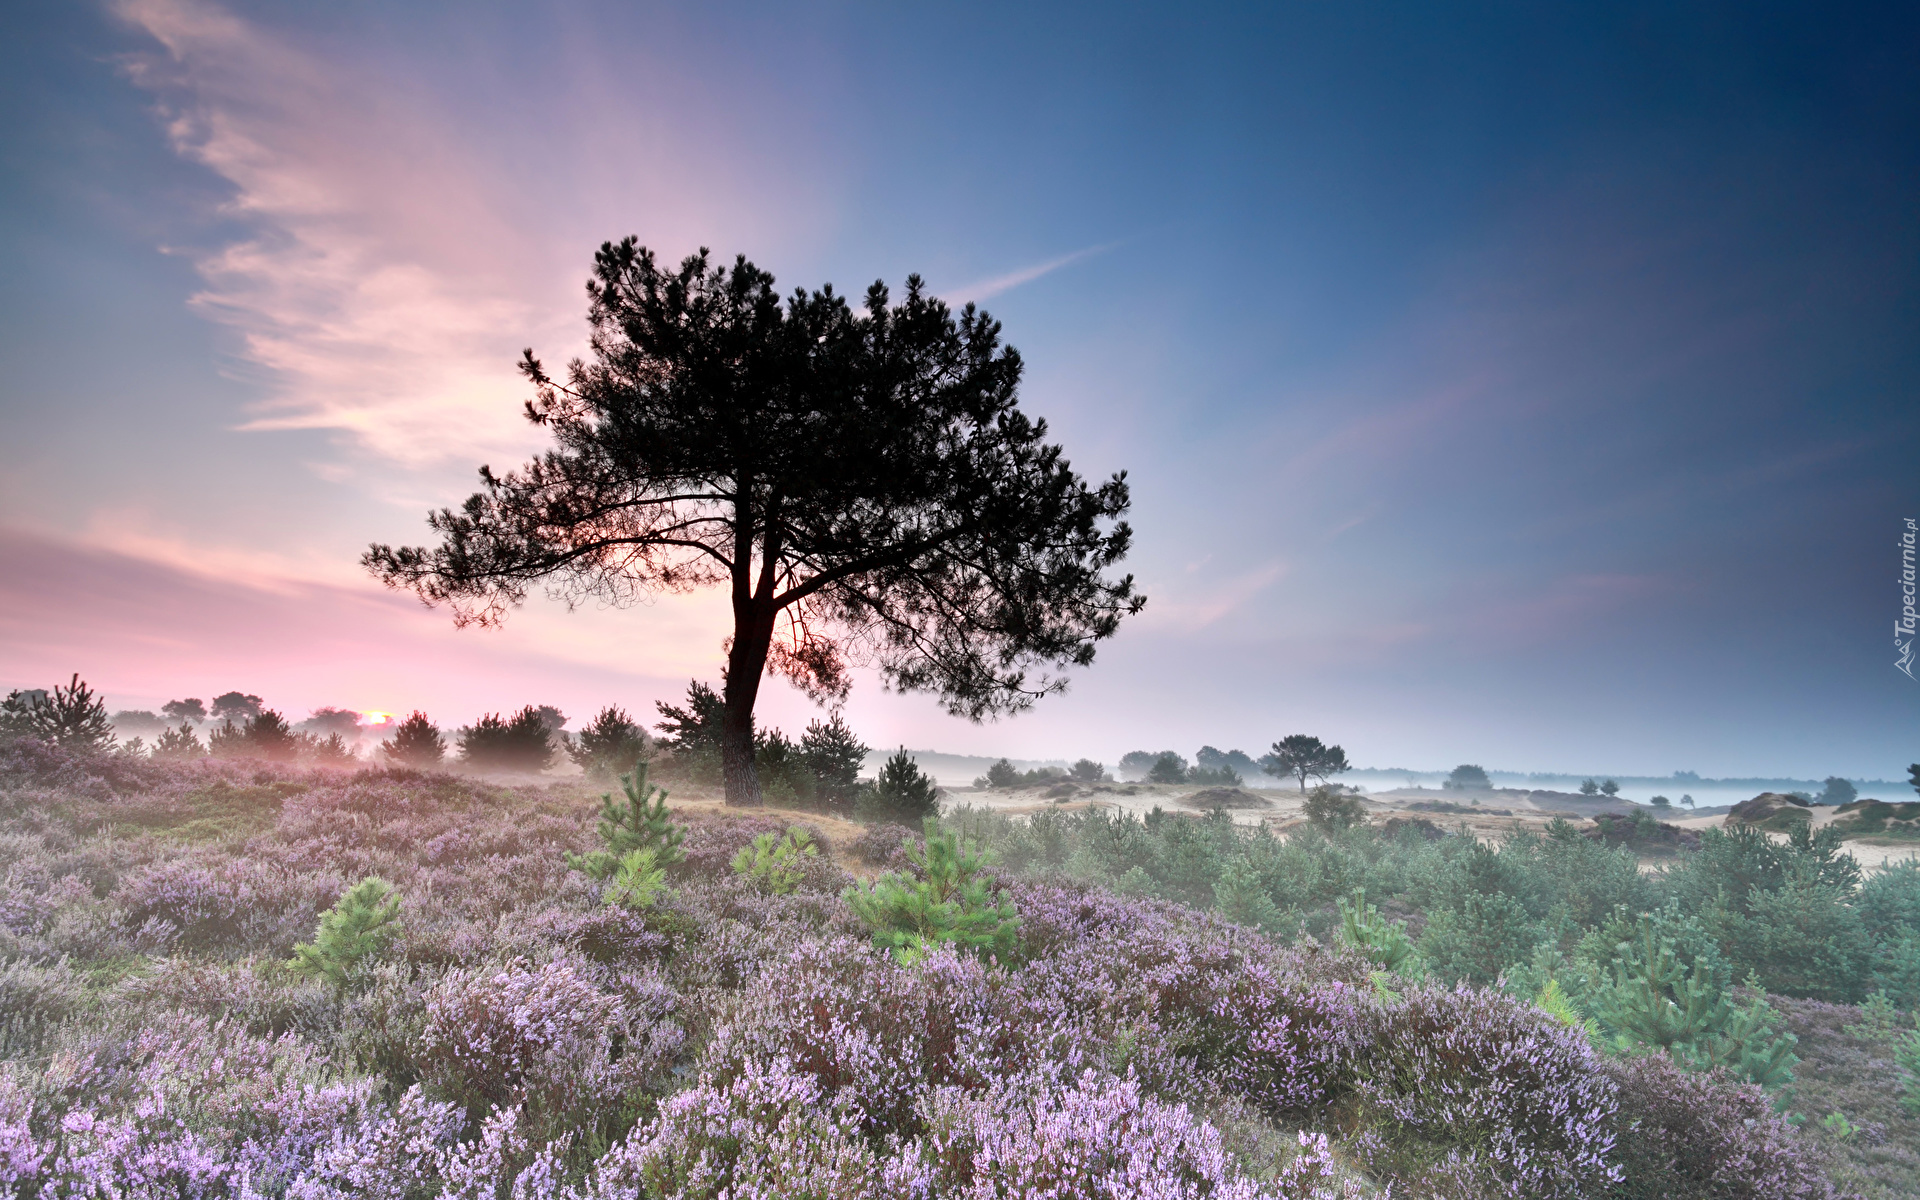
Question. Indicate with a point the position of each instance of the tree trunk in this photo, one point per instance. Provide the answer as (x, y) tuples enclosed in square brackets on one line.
[(746, 663)]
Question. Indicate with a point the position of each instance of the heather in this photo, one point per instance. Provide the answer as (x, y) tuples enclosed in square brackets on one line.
[(205, 996)]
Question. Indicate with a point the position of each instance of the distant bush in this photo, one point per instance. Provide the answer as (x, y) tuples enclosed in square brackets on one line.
[(179, 743), (902, 793), (265, 734), (1329, 807), (520, 743), (1168, 768), (1088, 771), (416, 743), (1468, 777), (610, 745)]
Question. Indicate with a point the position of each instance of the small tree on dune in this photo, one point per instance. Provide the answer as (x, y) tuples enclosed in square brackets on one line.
[(73, 717), (864, 485), (1468, 777), (1610, 788), (415, 742), (190, 709), (236, 706), (1304, 757), (834, 754), (523, 742), (178, 743)]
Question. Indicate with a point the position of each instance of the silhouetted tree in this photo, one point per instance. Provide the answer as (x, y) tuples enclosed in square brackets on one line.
[(1304, 757), (136, 720), (520, 743), (416, 742), (1610, 788), (235, 706), (190, 709), (864, 484), (343, 721), (610, 745), (332, 750), (835, 757), (1838, 791), (1913, 776), (695, 733), (1003, 774), (1468, 777), (71, 717), (1661, 802), (1135, 764), (1328, 807), (1686, 799), (1590, 787)]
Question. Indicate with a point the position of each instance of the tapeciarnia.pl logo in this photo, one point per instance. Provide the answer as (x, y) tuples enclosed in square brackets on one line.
[(1903, 628)]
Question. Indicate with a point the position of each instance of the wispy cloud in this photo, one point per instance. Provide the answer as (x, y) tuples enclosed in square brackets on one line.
[(973, 293)]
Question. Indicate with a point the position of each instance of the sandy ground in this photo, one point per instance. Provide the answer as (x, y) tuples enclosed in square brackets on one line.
[(1491, 816)]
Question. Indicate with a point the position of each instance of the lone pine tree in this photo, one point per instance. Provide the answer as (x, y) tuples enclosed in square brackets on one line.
[(864, 484)]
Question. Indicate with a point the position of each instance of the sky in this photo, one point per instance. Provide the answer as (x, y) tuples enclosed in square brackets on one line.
[(1529, 385)]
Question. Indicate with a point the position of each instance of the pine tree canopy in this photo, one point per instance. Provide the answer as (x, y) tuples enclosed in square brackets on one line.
[(863, 482)]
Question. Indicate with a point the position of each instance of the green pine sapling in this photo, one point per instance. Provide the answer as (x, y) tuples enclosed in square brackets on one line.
[(642, 823), (776, 863), (637, 882), (358, 926), (948, 904)]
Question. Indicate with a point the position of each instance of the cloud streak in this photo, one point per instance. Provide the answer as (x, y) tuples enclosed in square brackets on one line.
[(986, 289), (375, 288)]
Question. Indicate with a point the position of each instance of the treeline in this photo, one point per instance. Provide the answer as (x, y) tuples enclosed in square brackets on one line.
[(820, 771)]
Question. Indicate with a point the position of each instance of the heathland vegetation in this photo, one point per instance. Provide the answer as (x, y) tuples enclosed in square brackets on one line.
[(248, 975)]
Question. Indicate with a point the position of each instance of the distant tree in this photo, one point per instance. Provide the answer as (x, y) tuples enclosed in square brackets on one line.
[(1686, 800), (1215, 776), (610, 745), (235, 706), (136, 720), (415, 742), (73, 717), (1304, 757), (184, 710), (1661, 802), (1913, 776), (343, 721), (332, 750), (865, 485), (1590, 788), (16, 712), (1330, 807), (1088, 771), (1468, 777), (519, 743), (835, 756), (902, 793), (1610, 788), (1135, 764), (551, 717), (695, 733), (1168, 768), (267, 735), (1838, 791), (179, 743), (1003, 774)]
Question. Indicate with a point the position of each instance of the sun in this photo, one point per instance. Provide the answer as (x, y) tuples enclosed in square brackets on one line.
[(372, 718)]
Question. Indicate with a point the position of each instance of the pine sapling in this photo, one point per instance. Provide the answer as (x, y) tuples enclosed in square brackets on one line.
[(776, 863), (359, 926), (948, 904), (642, 823), (637, 882)]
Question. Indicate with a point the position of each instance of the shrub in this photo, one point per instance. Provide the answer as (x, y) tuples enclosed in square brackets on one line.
[(1471, 777), (1694, 1135), (1384, 943), (73, 717), (522, 743), (1479, 938), (1329, 807), (333, 751), (358, 927), (950, 904), (1654, 1002), (776, 863), (415, 743), (1088, 771), (178, 743), (610, 746), (1168, 768), (902, 793), (835, 757), (642, 823)]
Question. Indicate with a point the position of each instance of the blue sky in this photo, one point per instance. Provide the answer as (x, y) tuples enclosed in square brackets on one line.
[(1529, 385)]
